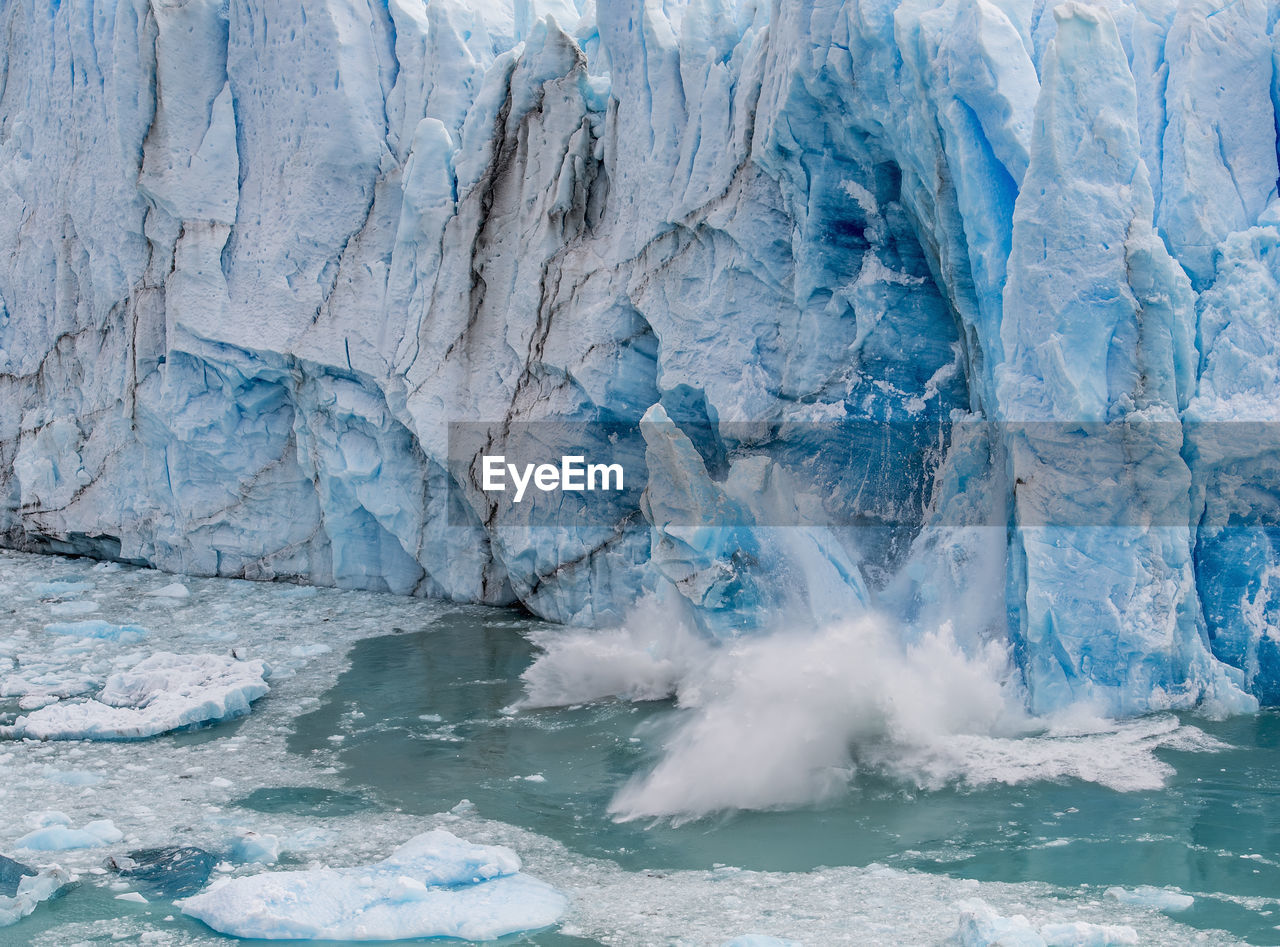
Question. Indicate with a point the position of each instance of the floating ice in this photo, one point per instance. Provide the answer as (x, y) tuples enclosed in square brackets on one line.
[(982, 926), (1162, 899), (435, 885), (30, 891), (174, 590), (73, 608), (61, 588), (161, 693), (56, 834), (262, 848), (11, 874), (95, 628)]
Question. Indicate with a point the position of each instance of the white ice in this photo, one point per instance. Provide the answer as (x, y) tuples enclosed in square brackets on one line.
[(435, 885), (159, 694), (54, 833), (32, 889)]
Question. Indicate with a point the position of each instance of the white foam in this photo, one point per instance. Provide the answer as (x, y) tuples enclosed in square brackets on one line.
[(646, 659)]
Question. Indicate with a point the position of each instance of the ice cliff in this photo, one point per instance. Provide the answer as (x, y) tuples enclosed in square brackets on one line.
[(948, 308)]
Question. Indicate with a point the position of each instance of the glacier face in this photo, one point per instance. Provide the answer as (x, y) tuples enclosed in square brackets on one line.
[(258, 257)]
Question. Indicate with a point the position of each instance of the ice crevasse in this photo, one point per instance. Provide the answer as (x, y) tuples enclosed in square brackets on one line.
[(962, 308)]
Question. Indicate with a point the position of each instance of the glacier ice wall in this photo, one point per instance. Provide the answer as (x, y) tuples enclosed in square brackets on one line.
[(258, 257)]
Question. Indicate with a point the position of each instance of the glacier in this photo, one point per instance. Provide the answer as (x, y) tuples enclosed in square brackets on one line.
[(956, 309)]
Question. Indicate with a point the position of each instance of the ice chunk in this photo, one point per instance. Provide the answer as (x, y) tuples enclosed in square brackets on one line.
[(759, 940), (162, 693), (96, 628), (1084, 934), (31, 890), (11, 875), (255, 847), (981, 926), (1162, 899), (61, 837), (60, 588), (72, 609), (435, 885), (174, 590)]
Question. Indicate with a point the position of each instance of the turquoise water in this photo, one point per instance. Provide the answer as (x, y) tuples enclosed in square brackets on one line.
[(424, 722)]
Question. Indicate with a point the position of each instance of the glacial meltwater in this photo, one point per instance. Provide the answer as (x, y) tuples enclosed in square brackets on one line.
[(388, 717)]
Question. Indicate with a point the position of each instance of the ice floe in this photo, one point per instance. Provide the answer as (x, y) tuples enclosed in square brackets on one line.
[(53, 833), (435, 885), (982, 926), (1162, 899), (162, 693)]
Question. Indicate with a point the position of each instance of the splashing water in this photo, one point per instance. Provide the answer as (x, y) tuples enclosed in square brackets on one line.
[(787, 719)]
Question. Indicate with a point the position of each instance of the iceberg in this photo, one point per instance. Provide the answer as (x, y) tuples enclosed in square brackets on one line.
[(435, 885), (159, 694), (256, 270)]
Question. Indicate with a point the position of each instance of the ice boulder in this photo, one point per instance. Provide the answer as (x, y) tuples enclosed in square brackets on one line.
[(435, 885), (162, 693), (31, 890)]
